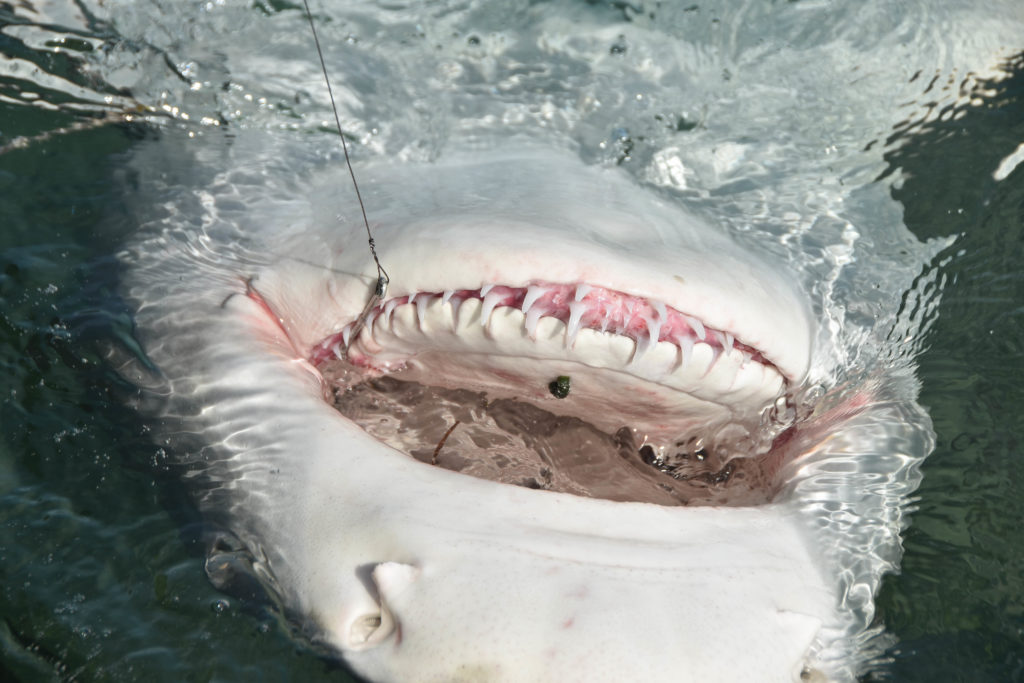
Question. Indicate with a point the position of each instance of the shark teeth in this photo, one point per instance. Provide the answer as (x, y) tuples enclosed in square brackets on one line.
[(533, 293), (686, 350), (576, 310), (421, 308), (455, 304), (697, 326), (578, 306), (389, 308), (653, 329), (491, 299), (531, 322)]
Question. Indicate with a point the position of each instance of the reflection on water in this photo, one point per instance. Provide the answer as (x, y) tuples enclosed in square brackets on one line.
[(101, 573), (957, 605)]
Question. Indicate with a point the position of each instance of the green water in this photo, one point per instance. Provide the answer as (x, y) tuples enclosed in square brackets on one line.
[(101, 573), (101, 555), (958, 606)]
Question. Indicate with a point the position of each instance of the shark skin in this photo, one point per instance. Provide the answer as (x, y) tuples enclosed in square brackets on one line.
[(415, 573), (474, 580)]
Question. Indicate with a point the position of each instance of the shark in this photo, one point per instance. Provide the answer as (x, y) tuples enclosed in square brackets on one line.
[(513, 267), (598, 426)]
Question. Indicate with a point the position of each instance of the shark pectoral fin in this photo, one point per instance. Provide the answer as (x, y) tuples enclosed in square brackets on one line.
[(373, 622)]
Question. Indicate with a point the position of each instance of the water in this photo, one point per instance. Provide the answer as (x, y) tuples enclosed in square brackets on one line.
[(101, 555)]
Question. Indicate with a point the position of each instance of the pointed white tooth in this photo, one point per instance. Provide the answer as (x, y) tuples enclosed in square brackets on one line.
[(642, 347), (627, 319), (531, 322), (533, 292), (346, 334), (607, 317), (485, 290), (421, 307), (389, 308), (686, 344), (697, 326), (490, 301), (447, 295), (728, 343), (572, 328), (581, 291), (371, 318), (336, 349), (719, 337), (746, 358), (412, 298), (653, 329), (456, 305), (659, 308)]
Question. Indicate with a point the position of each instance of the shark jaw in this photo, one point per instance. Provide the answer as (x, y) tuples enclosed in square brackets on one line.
[(628, 365), (658, 320), (513, 340), (416, 573)]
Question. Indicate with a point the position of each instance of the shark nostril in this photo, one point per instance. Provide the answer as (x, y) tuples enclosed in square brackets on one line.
[(371, 629), (375, 620), (364, 628)]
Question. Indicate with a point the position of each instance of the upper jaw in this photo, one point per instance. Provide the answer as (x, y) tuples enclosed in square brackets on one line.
[(466, 326), (752, 306), (471, 249), (629, 360), (516, 218)]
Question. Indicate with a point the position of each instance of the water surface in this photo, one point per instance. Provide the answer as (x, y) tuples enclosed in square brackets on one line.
[(102, 555)]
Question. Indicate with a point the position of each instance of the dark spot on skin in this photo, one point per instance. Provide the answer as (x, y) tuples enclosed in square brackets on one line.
[(560, 387)]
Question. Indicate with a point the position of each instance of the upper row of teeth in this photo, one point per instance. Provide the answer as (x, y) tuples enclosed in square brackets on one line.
[(490, 297)]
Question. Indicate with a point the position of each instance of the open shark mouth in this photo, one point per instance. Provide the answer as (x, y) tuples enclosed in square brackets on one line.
[(661, 407)]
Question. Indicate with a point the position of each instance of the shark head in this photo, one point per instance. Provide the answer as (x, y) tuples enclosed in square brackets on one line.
[(525, 278), (516, 267)]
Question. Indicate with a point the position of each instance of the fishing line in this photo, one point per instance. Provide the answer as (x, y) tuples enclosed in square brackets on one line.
[(382, 275)]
